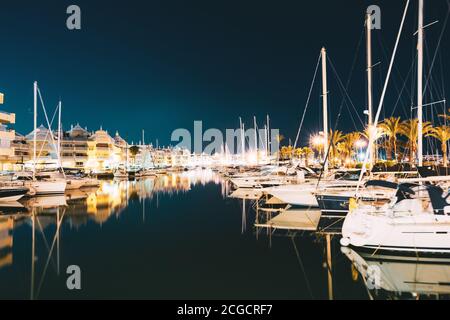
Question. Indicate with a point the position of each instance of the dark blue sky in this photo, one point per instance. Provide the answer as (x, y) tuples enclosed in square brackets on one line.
[(160, 65)]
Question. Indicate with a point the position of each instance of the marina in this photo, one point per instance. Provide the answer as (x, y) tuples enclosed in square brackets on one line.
[(102, 227), (346, 197)]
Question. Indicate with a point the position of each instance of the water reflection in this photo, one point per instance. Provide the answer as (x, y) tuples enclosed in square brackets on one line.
[(76, 208), (389, 276), (381, 276), (177, 233)]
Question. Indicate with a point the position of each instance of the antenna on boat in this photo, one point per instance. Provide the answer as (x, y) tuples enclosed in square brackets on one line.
[(325, 105), (419, 83)]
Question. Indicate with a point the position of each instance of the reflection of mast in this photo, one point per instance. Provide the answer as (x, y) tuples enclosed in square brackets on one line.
[(244, 217), (33, 248), (329, 267)]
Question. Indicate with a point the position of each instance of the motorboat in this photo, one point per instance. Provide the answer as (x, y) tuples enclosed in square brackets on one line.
[(11, 193), (121, 173)]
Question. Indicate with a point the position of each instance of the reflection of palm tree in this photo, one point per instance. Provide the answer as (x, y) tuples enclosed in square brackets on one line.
[(409, 129), (442, 134), (391, 127)]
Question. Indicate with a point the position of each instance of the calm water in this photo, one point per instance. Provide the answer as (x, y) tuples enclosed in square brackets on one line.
[(173, 237)]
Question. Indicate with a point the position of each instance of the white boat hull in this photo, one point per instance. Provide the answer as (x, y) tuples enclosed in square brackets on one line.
[(47, 187), (73, 184), (423, 232)]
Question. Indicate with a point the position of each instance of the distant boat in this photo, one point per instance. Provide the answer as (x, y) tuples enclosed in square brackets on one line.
[(10, 194)]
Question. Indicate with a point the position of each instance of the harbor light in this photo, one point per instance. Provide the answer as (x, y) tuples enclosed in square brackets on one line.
[(361, 143)]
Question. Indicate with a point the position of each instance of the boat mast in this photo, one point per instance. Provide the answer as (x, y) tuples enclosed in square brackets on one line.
[(370, 128), (35, 127), (265, 140), (268, 136), (256, 134), (241, 125), (325, 107), (419, 83), (59, 134)]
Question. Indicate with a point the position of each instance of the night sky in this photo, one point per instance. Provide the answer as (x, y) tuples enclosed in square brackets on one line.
[(160, 65)]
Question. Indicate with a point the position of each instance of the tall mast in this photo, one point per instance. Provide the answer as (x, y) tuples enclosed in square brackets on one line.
[(419, 83), (35, 127), (265, 140), (256, 134), (241, 125), (59, 133), (143, 137), (268, 135), (325, 105), (370, 128)]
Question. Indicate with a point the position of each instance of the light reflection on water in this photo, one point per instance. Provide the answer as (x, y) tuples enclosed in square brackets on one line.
[(180, 236)]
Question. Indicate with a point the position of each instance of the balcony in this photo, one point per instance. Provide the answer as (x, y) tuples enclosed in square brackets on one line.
[(9, 135), (6, 117), (6, 152)]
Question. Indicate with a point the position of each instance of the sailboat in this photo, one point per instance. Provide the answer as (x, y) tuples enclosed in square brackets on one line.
[(417, 219), (40, 183)]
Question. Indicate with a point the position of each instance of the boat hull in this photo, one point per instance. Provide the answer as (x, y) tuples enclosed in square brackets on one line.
[(13, 194), (414, 233), (47, 187)]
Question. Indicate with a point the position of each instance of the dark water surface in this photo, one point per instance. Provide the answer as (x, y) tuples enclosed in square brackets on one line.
[(172, 237)]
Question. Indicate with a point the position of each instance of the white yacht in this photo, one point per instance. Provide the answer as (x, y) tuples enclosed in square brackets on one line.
[(416, 220), (42, 184), (304, 194)]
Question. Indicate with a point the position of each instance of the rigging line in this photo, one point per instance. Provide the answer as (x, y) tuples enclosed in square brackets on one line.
[(397, 71), (300, 262), (46, 118), (402, 89), (41, 282), (355, 58), (437, 46), (46, 135), (380, 104), (345, 90), (307, 102)]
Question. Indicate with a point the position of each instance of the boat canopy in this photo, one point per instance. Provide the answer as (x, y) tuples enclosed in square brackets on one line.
[(382, 183)]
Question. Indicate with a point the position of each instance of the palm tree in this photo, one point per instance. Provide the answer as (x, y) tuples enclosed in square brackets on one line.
[(445, 116), (307, 152), (350, 141), (441, 133), (334, 138), (134, 150), (298, 152), (391, 128), (409, 129)]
